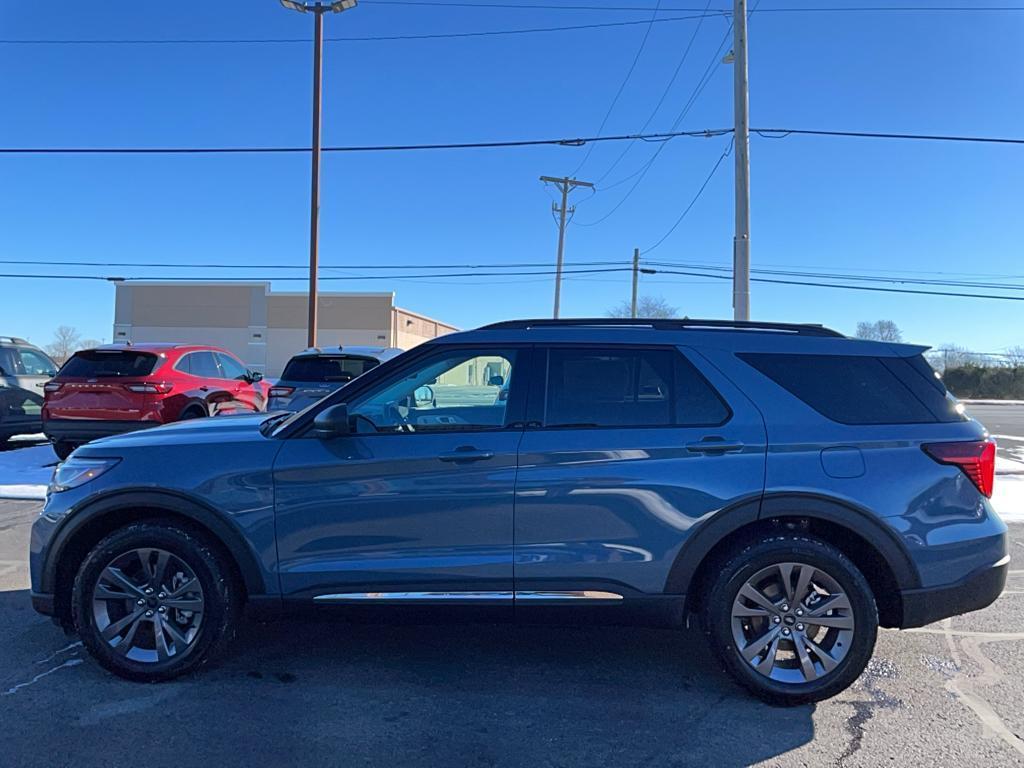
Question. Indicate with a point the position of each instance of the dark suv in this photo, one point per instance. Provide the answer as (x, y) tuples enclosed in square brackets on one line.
[(792, 488), (24, 370)]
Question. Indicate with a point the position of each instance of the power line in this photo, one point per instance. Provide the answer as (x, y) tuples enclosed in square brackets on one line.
[(657, 107), (723, 11), (693, 202), (845, 286), (160, 265), (767, 133), (567, 142), (350, 39), (709, 72), (622, 86), (171, 279)]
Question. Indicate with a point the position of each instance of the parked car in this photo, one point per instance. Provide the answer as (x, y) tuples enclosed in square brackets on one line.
[(790, 488), (24, 369), (122, 388), (316, 372)]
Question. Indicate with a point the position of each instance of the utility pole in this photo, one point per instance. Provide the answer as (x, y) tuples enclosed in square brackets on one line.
[(318, 9), (741, 110), (565, 186), (636, 280)]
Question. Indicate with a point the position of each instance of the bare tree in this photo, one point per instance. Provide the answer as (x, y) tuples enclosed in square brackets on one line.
[(1015, 356), (880, 330), (952, 356), (65, 341), (653, 307)]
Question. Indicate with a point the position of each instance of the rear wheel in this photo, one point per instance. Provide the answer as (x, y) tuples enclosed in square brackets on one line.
[(63, 448), (154, 600), (193, 413), (792, 619)]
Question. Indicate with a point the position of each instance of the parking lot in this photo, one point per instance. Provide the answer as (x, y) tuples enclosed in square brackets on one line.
[(322, 692)]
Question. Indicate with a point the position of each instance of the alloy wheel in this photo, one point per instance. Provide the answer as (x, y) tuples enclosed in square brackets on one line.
[(147, 605), (792, 622)]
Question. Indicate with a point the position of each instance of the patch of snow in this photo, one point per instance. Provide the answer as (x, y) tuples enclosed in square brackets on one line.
[(25, 472), (1008, 498), (990, 402)]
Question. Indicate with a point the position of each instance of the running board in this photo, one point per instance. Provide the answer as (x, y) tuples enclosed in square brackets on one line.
[(546, 596)]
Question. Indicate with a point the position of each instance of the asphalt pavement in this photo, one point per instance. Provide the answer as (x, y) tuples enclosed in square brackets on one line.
[(320, 692)]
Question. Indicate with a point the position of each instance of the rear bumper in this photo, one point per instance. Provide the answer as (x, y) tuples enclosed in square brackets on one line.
[(975, 591), (84, 430)]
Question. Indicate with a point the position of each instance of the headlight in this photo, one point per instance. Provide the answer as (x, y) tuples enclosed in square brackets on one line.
[(75, 472)]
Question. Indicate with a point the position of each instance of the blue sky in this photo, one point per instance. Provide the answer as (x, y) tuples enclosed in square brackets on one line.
[(819, 203)]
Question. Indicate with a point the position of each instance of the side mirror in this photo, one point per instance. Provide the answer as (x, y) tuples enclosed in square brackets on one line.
[(332, 422), (254, 376), (423, 395)]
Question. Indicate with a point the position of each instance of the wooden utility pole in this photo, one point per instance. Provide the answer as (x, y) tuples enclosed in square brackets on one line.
[(565, 186), (636, 280)]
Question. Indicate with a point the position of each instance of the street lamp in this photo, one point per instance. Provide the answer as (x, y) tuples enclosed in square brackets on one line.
[(318, 9)]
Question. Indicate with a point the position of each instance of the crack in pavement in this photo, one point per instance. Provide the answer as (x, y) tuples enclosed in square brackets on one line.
[(963, 687), (863, 711), (41, 675)]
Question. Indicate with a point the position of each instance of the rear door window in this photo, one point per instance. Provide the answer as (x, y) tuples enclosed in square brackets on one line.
[(327, 369), (860, 390), (628, 388), (100, 364), (35, 363), (204, 365)]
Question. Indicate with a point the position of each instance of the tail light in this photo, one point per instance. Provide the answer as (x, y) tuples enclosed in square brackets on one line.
[(52, 386), (281, 391), (976, 459), (154, 388)]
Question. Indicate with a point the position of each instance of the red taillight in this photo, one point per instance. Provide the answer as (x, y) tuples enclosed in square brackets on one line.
[(155, 388), (977, 459), (281, 391), (52, 386)]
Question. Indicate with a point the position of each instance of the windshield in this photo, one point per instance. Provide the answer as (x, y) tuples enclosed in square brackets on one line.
[(327, 369), (117, 363)]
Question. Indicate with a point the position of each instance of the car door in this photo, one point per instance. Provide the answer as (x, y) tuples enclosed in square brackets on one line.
[(417, 502), (629, 450), (247, 394), (23, 372)]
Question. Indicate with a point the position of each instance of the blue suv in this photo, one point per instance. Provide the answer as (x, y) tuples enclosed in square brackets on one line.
[(791, 488)]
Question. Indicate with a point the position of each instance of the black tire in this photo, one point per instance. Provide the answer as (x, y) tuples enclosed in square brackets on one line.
[(193, 413), (744, 563), (63, 448), (221, 598)]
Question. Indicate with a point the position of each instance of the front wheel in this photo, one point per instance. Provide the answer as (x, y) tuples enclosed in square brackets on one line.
[(154, 600), (792, 619)]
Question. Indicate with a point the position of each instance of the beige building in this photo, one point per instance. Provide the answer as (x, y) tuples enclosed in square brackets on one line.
[(263, 328)]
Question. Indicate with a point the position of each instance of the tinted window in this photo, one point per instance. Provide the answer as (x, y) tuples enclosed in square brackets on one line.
[(858, 390), (204, 365), (6, 362), (324, 369), (232, 369), (98, 364), (602, 388), (35, 363)]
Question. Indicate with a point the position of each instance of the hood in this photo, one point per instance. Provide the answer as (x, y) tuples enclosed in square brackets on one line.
[(209, 430)]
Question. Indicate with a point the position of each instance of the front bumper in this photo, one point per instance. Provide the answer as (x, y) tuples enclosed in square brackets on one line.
[(84, 430), (975, 591)]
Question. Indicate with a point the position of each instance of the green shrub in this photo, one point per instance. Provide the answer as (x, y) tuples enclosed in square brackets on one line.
[(976, 381)]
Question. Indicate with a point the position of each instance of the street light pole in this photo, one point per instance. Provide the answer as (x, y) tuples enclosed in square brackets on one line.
[(741, 110), (318, 9)]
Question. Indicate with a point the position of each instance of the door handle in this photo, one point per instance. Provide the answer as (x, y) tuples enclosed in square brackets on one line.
[(204, 389), (715, 446), (466, 453)]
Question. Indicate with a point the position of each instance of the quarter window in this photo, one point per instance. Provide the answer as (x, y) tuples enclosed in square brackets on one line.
[(628, 388)]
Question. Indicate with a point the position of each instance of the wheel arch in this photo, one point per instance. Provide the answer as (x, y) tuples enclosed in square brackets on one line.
[(858, 534), (90, 523)]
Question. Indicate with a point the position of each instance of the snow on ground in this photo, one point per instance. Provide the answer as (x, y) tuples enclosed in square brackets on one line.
[(1008, 498), (25, 472)]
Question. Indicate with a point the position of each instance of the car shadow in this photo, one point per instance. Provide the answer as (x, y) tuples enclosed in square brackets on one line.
[(642, 696)]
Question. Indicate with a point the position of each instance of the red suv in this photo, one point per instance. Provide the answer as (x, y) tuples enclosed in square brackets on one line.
[(118, 388)]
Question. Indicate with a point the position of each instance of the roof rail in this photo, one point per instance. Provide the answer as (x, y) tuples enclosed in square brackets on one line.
[(13, 340), (799, 329)]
